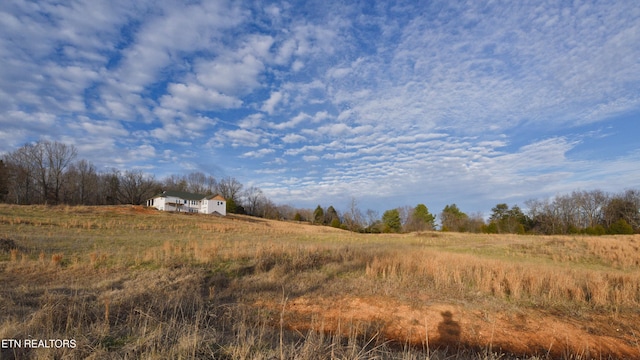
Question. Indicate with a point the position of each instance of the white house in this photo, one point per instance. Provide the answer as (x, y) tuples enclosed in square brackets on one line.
[(188, 202)]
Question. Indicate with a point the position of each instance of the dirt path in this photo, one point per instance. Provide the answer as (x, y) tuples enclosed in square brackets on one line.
[(439, 325)]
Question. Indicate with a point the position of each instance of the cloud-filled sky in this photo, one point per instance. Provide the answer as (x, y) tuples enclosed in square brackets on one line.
[(315, 102)]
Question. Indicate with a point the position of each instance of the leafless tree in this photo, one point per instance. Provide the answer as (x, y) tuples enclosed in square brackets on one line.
[(58, 158), (81, 184), (4, 181), (21, 176), (135, 187), (42, 164), (353, 217), (200, 183), (230, 189), (254, 201)]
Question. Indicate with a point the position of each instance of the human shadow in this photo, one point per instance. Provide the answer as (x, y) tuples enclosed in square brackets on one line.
[(448, 330)]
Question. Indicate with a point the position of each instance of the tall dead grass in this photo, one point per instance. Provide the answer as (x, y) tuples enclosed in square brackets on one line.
[(462, 273)]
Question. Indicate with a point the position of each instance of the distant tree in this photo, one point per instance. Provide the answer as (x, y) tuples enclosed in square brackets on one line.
[(331, 217), (505, 220), (620, 226), (453, 219), (175, 182), (475, 223), (81, 184), (230, 188), (372, 216), (271, 210), (499, 212), (353, 217), (589, 205), (254, 200), (391, 221), (135, 187), (623, 207), (234, 208), (58, 158), (21, 177), (318, 215), (39, 169), (420, 219), (109, 183), (4, 181)]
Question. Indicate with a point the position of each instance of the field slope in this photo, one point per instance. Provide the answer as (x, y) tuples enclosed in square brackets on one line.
[(132, 282)]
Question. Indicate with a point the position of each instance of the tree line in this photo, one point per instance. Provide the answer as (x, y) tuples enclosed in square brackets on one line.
[(48, 172), (592, 212)]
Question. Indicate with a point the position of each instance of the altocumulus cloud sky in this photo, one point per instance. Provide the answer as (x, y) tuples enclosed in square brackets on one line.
[(392, 103)]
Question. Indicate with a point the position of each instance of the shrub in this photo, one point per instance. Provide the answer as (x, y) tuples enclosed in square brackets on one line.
[(620, 227)]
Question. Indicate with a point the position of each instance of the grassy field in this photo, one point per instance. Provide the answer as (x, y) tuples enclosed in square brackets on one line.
[(128, 282)]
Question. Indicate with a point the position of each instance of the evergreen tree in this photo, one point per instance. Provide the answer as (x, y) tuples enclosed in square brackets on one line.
[(453, 219), (318, 215), (391, 221), (331, 217), (505, 220), (420, 219)]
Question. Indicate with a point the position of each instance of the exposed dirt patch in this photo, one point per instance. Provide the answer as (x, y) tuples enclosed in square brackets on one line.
[(439, 325)]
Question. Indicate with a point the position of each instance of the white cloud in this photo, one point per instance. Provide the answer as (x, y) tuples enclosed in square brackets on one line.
[(297, 66), (179, 28), (293, 122), (103, 128), (230, 76), (258, 153), (239, 137), (251, 121), (270, 104), (293, 138), (194, 96)]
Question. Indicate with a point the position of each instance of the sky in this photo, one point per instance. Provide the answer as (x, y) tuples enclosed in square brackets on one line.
[(320, 102)]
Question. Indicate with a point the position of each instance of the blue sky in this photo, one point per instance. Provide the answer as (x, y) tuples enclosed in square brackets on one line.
[(315, 102)]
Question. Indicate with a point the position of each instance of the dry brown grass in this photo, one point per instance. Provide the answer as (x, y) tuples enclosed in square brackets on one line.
[(526, 281), (132, 282)]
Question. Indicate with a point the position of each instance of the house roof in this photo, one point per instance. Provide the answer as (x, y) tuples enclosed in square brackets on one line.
[(216, 197), (188, 196)]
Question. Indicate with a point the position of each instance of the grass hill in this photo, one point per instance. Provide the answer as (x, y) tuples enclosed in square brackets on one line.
[(131, 282)]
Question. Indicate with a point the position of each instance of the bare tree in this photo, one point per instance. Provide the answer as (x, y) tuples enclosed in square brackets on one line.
[(81, 184), (353, 217), (200, 183), (136, 187), (175, 182), (4, 181), (254, 201), (43, 164), (21, 176), (58, 156), (625, 207), (590, 205), (230, 189)]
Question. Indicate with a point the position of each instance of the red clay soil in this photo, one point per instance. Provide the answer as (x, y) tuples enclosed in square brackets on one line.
[(130, 209), (521, 333)]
